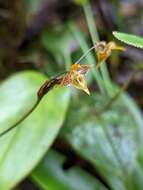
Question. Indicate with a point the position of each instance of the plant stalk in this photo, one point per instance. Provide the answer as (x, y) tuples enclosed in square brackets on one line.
[(95, 38), (90, 59)]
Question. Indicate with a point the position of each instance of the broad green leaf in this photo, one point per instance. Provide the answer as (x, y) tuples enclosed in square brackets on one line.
[(129, 39), (110, 142), (50, 175), (22, 148)]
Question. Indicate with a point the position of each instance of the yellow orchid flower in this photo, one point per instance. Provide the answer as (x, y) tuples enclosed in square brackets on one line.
[(104, 50), (76, 77)]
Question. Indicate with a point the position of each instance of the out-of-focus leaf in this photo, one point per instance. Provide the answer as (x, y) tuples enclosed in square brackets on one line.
[(50, 175), (123, 128), (22, 148), (80, 2), (129, 39), (56, 41), (33, 7)]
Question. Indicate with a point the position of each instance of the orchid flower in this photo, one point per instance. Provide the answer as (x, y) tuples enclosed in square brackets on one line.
[(76, 77), (104, 50)]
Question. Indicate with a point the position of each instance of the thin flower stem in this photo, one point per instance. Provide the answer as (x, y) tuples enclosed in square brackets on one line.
[(80, 39), (95, 38), (44, 89), (21, 119), (85, 54)]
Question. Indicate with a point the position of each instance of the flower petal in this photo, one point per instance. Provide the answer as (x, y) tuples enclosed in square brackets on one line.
[(80, 83), (75, 77)]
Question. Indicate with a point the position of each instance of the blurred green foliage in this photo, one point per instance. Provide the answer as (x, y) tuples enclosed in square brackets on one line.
[(108, 138)]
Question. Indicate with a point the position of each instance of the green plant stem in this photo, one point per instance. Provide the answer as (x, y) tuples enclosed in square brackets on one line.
[(107, 82), (22, 118), (85, 54), (44, 89), (90, 59), (95, 38)]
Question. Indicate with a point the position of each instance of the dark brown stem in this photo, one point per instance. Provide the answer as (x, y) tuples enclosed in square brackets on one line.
[(47, 86)]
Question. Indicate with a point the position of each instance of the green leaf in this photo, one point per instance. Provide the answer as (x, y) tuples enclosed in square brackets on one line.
[(56, 40), (50, 175), (80, 2), (129, 39), (22, 148), (111, 142)]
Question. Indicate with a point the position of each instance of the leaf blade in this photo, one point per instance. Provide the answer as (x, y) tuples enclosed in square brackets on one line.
[(50, 175), (35, 134), (89, 138), (129, 39)]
